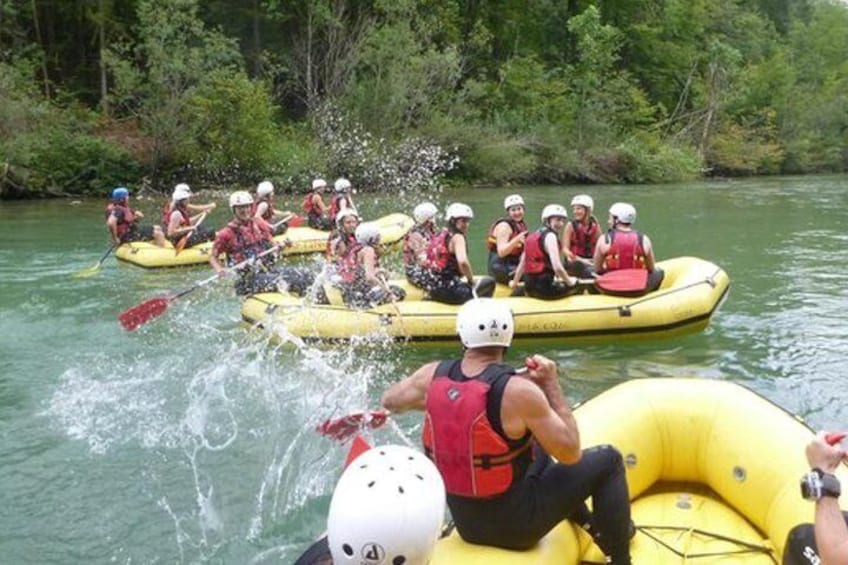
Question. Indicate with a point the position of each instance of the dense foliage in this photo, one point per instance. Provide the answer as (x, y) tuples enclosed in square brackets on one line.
[(399, 93)]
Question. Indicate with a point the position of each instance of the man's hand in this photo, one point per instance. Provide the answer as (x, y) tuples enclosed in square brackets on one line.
[(823, 455), (138, 214), (541, 370)]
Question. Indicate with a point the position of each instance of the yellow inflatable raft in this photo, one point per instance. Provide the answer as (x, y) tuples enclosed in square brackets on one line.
[(691, 291), (303, 240), (713, 470), (150, 256)]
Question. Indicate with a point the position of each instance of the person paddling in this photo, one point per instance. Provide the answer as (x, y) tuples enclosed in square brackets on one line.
[(263, 207), (122, 221), (247, 237), (182, 218), (491, 434)]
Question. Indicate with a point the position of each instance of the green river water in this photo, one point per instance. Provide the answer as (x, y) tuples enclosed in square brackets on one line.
[(191, 440)]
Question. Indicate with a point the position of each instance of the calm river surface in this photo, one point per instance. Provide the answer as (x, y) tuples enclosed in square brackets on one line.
[(191, 440)]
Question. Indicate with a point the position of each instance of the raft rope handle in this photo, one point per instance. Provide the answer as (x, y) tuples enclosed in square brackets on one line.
[(748, 547)]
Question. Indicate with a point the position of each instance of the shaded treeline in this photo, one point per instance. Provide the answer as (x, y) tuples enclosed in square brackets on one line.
[(95, 93)]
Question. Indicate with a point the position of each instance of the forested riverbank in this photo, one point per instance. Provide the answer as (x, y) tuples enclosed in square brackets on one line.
[(400, 94)]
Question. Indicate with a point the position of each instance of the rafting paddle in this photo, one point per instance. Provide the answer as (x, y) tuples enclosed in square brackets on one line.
[(182, 242), (340, 429), (89, 271), (155, 307)]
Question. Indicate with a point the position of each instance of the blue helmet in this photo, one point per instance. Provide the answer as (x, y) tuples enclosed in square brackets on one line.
[(120, 193)]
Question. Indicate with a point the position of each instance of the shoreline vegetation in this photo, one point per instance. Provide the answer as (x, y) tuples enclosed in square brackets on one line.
[(405, 95)]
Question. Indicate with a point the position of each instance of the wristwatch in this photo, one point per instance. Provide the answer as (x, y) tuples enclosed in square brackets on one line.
[(817, 484)]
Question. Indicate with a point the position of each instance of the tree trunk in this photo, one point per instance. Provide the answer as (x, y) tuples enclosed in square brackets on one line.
[(310, 90), (257, 40), (104, 87), (38, 40), (713, 81)]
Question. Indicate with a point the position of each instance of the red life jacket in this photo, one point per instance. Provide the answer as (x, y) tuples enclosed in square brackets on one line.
[(336, 205), (249, 240), (536, 259), (516, 227), (333, 241), (309, 206), (439, 257), (426, 231), (463, 434), (125, 219), (166, 215), (584, 238), (348, 266), (625, 251), (269, 209)]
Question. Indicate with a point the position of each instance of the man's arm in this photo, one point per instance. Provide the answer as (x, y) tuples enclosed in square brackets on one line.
[(411, 392), (830, 529), (537, 401), (220, 246)]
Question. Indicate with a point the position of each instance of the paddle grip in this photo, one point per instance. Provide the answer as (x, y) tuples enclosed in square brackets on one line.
[(835, 437)]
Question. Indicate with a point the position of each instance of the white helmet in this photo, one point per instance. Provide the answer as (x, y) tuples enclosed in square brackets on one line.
[(388, 507), (319, 183), (240, 198), (459, 210), (583, 200), (485, 322), (424, 211), (513, 200), (265, 188), (181, 192), (367, 233), (341, 184), (553, 210), (344, 214), (623, 212)]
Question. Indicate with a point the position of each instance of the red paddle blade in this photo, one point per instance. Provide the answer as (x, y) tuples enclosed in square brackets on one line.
[(342, 428), (835, 437), (623, 281), (357, 448), (295, 221), (143, 313)]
